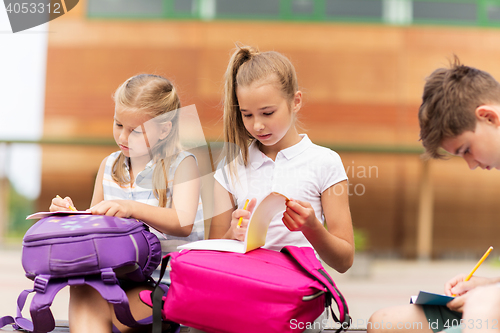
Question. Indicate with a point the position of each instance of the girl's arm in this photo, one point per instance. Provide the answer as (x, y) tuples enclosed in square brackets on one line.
[(334, 244), (226, 216), (98, 194), (176, 221)]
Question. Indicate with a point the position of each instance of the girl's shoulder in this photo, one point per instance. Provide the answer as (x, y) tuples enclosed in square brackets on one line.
[(323, 153), (112, 157), (181, 156)]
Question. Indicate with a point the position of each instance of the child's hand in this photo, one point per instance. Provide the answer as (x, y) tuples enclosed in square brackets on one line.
[(299, 215), (118, 208), (60, 204), (458, 303), (238, 232), (457, 285)]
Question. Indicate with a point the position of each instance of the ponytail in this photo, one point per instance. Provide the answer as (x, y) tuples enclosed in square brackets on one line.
[(247, 65), (236, 137)]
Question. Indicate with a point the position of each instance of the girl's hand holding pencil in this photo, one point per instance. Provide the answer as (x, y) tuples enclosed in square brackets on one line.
[(60, 204), (240, 219)]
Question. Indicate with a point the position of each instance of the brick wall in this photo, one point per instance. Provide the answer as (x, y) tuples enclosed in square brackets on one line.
[(361, 84)]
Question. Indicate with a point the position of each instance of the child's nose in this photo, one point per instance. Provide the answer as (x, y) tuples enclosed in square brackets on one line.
[(471, 162), (123, 137), (258, 125)]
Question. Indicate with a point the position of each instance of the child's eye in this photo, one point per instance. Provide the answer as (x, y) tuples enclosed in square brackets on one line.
[(246, 115), (268, 113), (118, 125)]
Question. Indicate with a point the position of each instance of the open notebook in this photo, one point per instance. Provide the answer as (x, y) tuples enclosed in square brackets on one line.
[(256, 233), (41, 215), (426, 298)]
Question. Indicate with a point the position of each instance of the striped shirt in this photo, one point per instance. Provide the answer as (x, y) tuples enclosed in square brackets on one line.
[(141, 191)]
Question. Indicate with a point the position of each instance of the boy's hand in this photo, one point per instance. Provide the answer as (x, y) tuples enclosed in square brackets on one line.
[(458, 303), (118, 208), (239, 232), (457, 285), (60, 204), (299, 215)]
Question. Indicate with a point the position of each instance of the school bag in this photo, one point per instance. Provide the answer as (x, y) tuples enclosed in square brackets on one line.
[(259, 291), (72, 250)]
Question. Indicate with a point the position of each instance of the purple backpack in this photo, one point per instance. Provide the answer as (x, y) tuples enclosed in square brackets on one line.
[(72, 250)]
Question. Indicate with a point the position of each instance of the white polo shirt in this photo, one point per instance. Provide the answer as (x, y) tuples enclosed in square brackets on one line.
[(301, 172)]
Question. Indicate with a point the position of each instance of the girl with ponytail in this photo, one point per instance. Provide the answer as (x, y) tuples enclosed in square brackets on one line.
[(265, 153)]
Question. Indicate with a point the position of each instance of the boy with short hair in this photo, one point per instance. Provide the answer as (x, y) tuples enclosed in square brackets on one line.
[(460, 113)]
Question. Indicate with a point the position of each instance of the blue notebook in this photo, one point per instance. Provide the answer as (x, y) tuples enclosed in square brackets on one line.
[(426, 298)]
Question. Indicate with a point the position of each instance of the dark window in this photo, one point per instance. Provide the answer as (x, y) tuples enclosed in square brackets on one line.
[(302, 7), (449, 11), (247, 8), (354, 8), (125, 8)]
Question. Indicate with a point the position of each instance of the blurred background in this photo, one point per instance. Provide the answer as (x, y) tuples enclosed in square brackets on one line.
[(361, 65)]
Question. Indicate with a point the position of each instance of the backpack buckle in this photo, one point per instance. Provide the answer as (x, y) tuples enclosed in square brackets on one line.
[(108, 276), (40, 283)]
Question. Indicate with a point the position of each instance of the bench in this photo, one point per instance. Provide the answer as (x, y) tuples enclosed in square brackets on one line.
[(62, 327)]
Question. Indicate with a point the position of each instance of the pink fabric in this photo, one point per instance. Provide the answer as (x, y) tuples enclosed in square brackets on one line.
[(260, 291)]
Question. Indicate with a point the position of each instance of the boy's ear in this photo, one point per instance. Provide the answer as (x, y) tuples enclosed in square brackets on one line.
[(165, 130), (489, 114)]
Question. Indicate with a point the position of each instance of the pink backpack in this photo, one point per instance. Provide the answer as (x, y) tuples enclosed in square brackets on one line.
[(83, 249), (260, 291)]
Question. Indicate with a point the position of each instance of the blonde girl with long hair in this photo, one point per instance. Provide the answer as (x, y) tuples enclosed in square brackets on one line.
[(150, 178), (265, 153)]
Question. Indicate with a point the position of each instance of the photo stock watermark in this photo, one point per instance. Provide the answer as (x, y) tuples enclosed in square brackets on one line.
[(26, 14), (357, 175), (359, 324)]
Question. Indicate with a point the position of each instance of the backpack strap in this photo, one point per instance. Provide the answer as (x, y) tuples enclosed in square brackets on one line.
[(306, 258), (7, 320), (42, 318), (157, 297)]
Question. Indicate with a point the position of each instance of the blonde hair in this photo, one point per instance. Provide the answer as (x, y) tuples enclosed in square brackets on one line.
[(156, 97), (247, 65), (449, 101)]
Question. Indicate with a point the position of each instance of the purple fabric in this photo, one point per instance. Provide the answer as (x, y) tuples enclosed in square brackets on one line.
[(83, 249)]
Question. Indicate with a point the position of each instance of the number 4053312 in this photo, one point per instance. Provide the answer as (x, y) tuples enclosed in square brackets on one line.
[(33, 7)]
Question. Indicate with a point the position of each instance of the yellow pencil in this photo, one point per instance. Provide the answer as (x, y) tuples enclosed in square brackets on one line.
[(485, 255), (241, 218), (70, 207), (483, 258)]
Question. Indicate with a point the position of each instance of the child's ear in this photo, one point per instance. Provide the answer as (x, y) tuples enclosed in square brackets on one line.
[(489, 114), (165, 130), (297, 101)]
